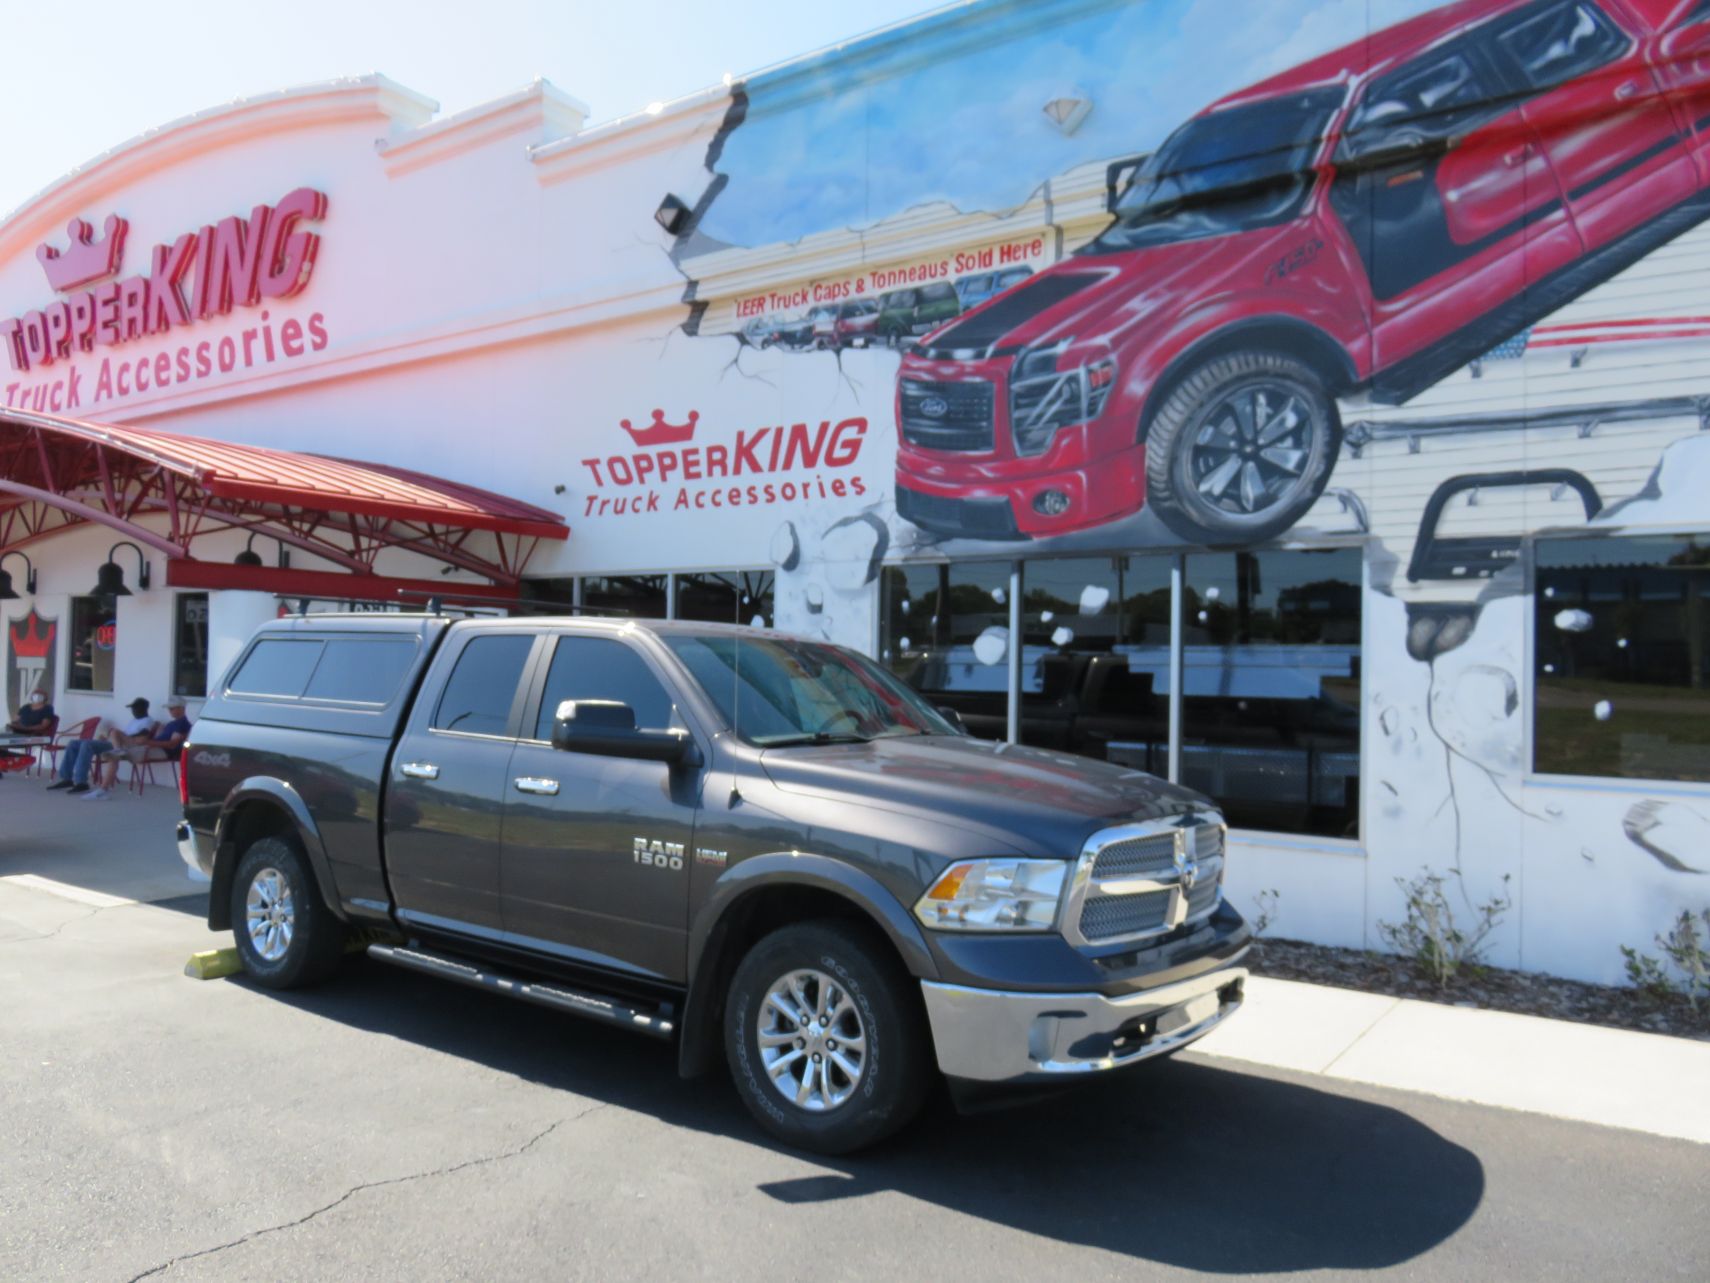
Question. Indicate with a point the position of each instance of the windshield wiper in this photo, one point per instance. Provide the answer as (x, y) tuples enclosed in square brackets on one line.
[(817, 737)]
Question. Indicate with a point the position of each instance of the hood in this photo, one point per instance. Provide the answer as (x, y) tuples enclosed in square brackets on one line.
[(1100, 296), (1048, 803)]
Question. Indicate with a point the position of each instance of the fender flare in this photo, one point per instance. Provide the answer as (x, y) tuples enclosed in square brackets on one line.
[(281, 797), (1305, 338), (698, 1046)]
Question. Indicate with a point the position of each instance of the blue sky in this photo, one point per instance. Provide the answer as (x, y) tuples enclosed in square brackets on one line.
[(937, 117), (82, 77)]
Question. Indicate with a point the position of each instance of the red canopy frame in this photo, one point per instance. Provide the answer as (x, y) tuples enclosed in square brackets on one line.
[(56, 474)]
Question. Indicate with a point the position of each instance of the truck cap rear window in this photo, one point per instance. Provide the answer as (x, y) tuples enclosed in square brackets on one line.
[(337, 670)]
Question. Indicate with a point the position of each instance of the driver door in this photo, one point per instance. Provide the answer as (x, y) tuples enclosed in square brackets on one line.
[(1447, 197), (595, 851)]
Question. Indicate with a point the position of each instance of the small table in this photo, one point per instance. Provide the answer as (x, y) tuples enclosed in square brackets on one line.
[(17, 752)]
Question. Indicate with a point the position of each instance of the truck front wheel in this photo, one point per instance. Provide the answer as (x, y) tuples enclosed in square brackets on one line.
[(286, 936), (825, 1042), (1241, 448)]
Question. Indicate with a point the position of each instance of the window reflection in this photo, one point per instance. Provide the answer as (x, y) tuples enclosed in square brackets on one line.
[(1271, 687), (637, 596), (726, 597), (946, 633), (1097, 638), (1622, 686)]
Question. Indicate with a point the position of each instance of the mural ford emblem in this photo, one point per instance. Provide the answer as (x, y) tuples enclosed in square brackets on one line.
[(934, 407)]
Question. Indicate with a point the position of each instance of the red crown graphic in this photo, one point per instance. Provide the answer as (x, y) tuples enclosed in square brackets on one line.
[(661, 432), (27, 643), (85, 259)]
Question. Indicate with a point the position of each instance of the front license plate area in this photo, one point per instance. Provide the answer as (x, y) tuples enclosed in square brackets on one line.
[(1188, 1014)]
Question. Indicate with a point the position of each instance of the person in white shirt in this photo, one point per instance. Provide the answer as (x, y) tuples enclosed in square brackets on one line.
[(80, 755)]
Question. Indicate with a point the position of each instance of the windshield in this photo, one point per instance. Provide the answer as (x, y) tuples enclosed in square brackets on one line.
[(1228, 171), (775, 691)]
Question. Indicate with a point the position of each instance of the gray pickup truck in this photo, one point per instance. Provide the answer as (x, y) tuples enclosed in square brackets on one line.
[(709, 835)]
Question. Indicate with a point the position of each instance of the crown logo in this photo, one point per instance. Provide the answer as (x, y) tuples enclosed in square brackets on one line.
[(85, 259), (660, 432), (28, 642)]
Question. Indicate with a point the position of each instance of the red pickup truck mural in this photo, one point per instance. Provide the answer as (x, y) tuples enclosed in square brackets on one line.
[(1366, 222)]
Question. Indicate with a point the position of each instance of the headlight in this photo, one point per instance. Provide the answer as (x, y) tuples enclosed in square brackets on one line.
[(1043, 398), (994, 895)]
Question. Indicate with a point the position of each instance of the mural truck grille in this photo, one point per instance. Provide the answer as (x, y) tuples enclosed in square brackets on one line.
[(947, 416)]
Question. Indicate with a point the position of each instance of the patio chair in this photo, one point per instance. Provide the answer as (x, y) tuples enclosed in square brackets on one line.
[(142, 772), (59, 739)]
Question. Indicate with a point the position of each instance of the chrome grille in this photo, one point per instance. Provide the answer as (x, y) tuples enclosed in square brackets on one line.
[(1154, 854), (964, 424), (1106, 916), (1144, 880)]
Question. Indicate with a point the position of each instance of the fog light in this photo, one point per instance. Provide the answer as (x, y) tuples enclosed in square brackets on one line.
[(1050, 503)]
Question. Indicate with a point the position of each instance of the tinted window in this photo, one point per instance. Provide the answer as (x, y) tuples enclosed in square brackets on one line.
[(277, 666), (1226, 171), (937, 293), (362, 670), (1622, 686), (478, 697), (1425, 100), (600, 668), (1559, 42), (902, 298)]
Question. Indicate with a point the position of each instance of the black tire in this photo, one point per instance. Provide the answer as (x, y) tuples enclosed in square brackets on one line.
[(894, 1070), (316, 942), (1210, 487)]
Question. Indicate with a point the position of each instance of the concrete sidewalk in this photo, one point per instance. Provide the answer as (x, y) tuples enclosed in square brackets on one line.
[(121, 850), (1616, 1077)]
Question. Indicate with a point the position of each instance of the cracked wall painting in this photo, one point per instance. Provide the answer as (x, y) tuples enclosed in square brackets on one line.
[(1087, 277)]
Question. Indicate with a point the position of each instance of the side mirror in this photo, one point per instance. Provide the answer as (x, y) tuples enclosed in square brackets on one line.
[(954, 718), (608, 728)]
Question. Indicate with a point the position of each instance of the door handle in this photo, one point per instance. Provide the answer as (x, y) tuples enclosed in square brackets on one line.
[(419, 770), (1626, 90), (1520, 153), (534, 784)]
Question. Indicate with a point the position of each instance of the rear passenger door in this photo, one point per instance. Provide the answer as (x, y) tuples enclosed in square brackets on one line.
[(447, 786), (596, 848)]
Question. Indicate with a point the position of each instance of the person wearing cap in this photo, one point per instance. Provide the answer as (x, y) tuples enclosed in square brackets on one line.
[(162, 744), (32, 718), (79, 755)]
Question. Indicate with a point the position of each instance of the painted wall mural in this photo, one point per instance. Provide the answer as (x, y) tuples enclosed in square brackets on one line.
[(30, 650), (1431, 281)]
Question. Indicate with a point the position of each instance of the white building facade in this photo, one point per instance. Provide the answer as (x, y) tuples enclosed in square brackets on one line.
[(765, 354)]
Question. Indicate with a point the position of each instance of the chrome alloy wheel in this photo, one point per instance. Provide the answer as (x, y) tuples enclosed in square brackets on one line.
[(1252, 452), (812, 1042), (269, 914)]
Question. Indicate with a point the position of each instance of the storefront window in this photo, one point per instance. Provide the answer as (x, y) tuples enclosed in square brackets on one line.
[(94, 639), (638, 596), (946, 633), (726, 597), (1622, 685), (1096, 658), (1271, 687), (190, 645)]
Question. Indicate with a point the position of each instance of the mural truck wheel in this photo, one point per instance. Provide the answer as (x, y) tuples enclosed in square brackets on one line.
[(1241, 448)]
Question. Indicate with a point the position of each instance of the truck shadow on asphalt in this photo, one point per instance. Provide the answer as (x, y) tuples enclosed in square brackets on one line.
[(1185, 1163)]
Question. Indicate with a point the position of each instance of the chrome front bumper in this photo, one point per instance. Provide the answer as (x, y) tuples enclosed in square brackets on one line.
[(195, 850), (1000, 1036)]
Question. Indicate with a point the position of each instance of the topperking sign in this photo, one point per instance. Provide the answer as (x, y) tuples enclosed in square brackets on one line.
[(235, 263)]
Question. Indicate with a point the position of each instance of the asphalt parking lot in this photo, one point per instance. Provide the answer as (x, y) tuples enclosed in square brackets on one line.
[(388, 1126)]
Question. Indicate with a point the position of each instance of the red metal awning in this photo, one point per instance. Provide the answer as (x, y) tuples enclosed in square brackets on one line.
[(56, 473)]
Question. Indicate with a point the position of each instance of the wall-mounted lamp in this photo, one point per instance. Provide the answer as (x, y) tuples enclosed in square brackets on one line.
[(6, 591), (250, 557), (110, 579), (671, 214)]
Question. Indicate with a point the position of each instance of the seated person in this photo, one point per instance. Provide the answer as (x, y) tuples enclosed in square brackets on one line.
[(79, 755), (32, 718), (163, 744)]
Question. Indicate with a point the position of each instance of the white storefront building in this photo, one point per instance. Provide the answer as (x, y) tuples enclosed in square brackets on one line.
[(653, 365)]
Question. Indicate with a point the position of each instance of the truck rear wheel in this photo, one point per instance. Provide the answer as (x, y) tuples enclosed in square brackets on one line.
[(1241, 448), (827, 1047), (286, 935)]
